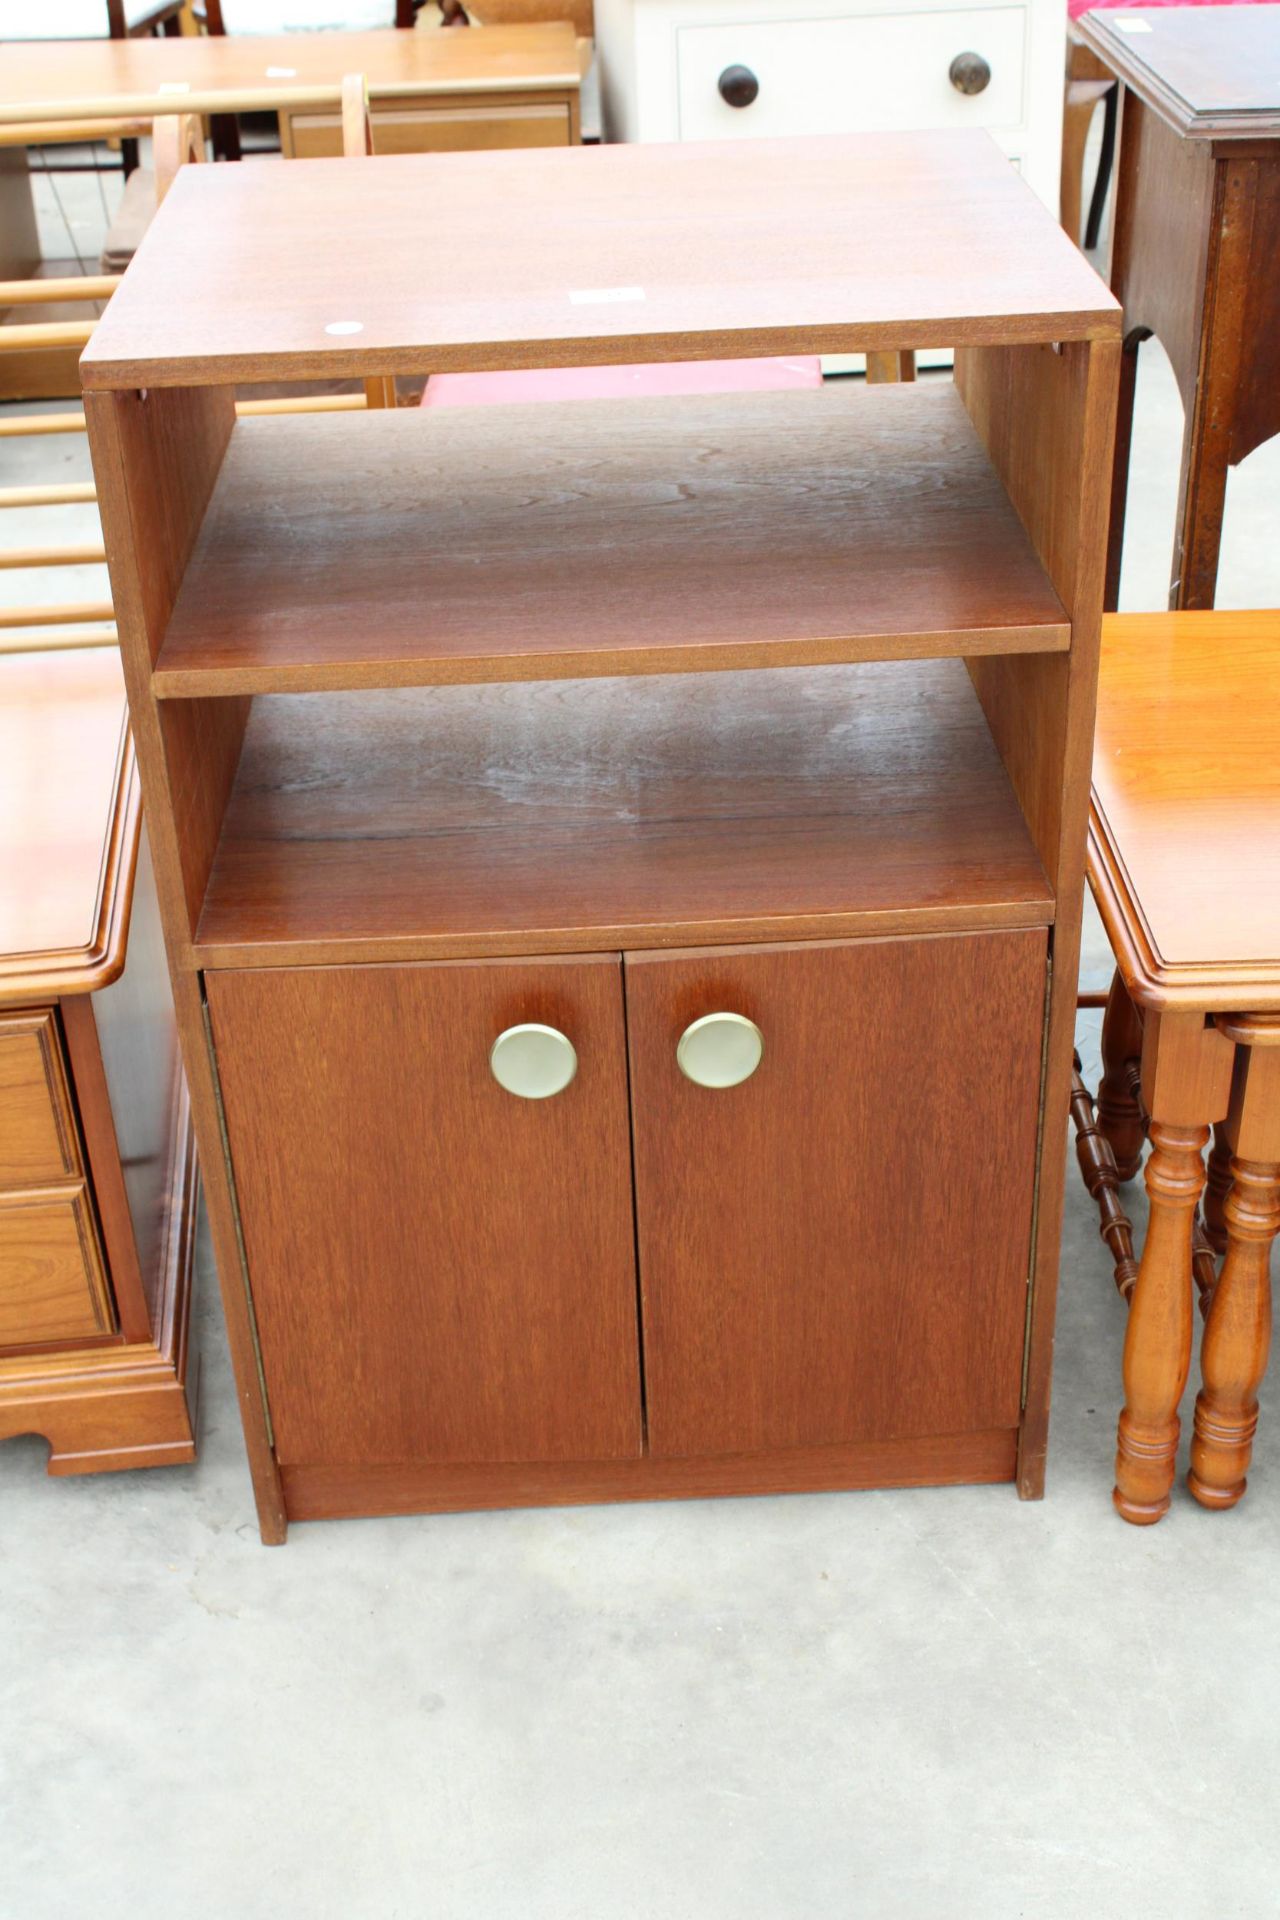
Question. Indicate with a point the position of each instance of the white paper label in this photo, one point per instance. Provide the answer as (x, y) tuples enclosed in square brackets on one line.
[(1133, 26), (174, 86), (282, 73), (345, 326), (605, 296)]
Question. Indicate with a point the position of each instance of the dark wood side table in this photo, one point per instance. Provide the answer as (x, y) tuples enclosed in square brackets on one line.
[(1184, 863), (1196, 249)]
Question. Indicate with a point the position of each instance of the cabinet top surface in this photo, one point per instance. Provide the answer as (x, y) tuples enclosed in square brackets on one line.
[(1185, 830), (1210, 71), (589, 255), (39, 72), (68, 821)]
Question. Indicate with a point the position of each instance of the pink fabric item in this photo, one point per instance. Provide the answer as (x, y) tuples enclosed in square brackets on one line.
[(620, 383), (1076, 7)]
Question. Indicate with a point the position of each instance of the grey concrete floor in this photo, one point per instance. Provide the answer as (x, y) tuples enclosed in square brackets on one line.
[(922, 1704)]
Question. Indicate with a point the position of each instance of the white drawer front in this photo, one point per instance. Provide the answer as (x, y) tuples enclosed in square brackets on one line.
[(866, 73)]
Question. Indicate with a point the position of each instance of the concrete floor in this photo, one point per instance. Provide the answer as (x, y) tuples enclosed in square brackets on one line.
[(928, 1705)]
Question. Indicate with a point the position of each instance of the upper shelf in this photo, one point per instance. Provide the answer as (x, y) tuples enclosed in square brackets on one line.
[(603, 537), (592, 255)]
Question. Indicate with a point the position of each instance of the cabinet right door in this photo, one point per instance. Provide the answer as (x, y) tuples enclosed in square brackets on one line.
[(837, 1248)]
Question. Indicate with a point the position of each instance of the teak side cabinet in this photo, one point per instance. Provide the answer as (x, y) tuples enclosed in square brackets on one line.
[(457, 724)]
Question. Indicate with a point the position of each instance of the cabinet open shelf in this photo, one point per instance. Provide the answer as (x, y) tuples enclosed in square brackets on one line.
[(608, 813), (634, 536)]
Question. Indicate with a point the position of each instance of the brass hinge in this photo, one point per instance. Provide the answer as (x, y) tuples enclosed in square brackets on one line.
[(1035, 1193), (235, 1215)]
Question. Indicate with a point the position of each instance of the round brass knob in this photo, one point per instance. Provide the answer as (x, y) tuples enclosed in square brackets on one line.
[(533, 1061), (970, 73), (739, 86), (720, 1050)]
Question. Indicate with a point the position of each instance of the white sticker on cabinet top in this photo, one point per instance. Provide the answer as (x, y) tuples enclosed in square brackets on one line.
[(605, 296)]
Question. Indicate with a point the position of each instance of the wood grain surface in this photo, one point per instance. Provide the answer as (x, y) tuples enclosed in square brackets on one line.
[(838, 1249), (321, 1492), (629, 536), (110, 1404), (1184, 839), (38, 1137), (155, 459), (1047, 421), (1211, 72), (133, 1093), (440, 1271), (53, 1285), (37, 73), (614, 812), (68, 820), (705, 251)]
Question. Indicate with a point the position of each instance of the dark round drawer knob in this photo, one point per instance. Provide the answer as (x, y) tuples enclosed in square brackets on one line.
[(739, 86), (970, 73)]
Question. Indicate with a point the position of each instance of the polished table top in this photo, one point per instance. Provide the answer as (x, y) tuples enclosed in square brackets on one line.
[(67, 817), (38, 73), (1185, 827), (1212, 72)]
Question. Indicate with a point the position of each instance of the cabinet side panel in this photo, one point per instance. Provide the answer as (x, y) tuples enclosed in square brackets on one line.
[(1047, 419), (155, 461), (837, 1249)]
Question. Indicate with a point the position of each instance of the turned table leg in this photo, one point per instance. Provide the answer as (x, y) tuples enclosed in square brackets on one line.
[(1120, 1119), (1217, 1187), (1237, 1336), (1186, 1081)]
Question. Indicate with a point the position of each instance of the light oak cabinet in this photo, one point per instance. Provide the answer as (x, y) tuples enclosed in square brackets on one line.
[(621, 861)]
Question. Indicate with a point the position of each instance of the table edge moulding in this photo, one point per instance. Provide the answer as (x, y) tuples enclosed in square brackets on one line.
[(1129, 55), (364, 827)]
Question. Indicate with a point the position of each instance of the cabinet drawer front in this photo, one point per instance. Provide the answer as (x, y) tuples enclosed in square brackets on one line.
[(837, 1248), (444, 130), (864, 74), (52, 1282), (38, 1139), (441, 1270)]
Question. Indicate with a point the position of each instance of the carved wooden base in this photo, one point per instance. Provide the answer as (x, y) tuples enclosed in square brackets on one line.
[(131, 1405)]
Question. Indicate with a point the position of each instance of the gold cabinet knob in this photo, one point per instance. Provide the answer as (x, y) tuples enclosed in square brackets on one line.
[(533, 1061), (720, 1050)]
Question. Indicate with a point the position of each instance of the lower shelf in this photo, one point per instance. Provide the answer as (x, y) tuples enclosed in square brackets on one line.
[(337, 1492), (804, 803)]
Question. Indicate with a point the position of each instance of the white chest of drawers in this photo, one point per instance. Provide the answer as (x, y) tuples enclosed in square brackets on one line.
[(725, 69)]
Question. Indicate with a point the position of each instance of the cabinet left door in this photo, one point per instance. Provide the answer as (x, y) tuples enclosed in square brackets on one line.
[(441, 1270)]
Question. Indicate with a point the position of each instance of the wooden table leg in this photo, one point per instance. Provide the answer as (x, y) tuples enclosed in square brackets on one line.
[(1217, 1187), (1237, 1336), (1120, 1119), (1186, 1082), (1210, 441), (1120, 466)]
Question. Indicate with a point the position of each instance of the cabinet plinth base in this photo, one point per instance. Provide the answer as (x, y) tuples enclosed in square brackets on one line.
[(126, 1405), (351, 1492)]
